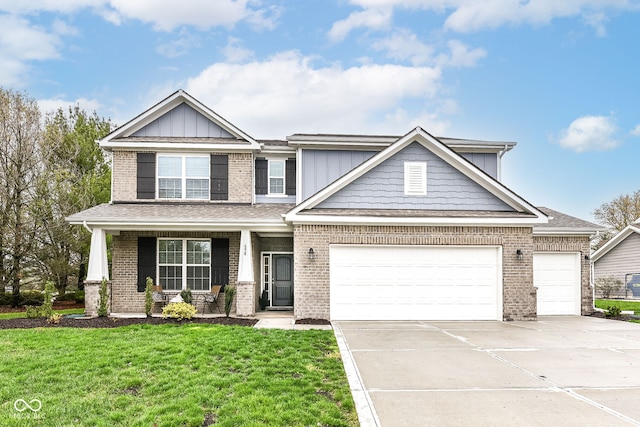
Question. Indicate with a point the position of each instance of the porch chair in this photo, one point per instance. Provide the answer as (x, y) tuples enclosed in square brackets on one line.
[(211, 299), (158, 296)]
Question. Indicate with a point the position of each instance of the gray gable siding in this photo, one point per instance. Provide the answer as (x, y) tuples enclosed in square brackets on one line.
[(621, 260), (383, 187), (321, 167), (488, 162), (183, 121)]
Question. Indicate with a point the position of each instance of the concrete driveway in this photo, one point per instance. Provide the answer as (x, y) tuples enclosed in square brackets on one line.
[(556, 371)]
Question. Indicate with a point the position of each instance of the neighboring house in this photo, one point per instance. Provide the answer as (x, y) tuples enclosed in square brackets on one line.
[(329, 226), (620, 258)]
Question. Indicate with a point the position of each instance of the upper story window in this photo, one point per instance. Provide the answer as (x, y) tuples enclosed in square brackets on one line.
[(415, 178), (183, 177), (276, 177)]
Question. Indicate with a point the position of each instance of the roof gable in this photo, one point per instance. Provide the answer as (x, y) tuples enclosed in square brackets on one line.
[(448, 158), (615, 241), (382, 187), (178, 118)]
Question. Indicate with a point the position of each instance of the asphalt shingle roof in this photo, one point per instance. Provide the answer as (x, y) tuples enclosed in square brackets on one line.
[(564, 221)]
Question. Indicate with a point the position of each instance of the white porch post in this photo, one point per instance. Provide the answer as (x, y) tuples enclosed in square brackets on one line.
[(98, 267), (97, 270), (245, 296)]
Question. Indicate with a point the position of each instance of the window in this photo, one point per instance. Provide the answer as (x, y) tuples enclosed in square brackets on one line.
[(184, 264), (183, 177), (415, 178), (276, 177)]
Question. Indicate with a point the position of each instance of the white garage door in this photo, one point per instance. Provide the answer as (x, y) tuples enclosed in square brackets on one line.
[(415, 283), (557, 277)]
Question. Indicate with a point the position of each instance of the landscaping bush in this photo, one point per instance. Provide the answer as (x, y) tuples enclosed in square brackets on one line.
[(5, 299), (47, 304), (66, 297), (607, 285), (79, 295), (179, 310), (148, 296), (31, 297), (103, 299), (229, 295), (613, 311), (186, 295)]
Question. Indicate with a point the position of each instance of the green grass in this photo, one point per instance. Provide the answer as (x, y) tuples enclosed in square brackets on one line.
[(624, 305), (174, 375), (23, 314)]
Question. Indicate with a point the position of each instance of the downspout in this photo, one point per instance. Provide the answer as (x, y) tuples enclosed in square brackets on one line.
[(84, 224), (500, 154)]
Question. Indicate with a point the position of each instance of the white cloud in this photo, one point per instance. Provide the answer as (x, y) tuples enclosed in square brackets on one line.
[(287, 94), (635, 131), (460, 56), (48, 106), (234, 52), (20, 42), (590, 133), (466, 16), (165, 15), (405, 46), (370, 18)]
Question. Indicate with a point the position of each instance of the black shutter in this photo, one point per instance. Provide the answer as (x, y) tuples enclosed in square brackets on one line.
[(146, 261), (146, 176), (219, 177), (290, 177), (262, 178), (219, 261)]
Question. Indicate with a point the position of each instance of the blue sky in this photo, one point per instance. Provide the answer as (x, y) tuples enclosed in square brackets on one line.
[(558, 77)]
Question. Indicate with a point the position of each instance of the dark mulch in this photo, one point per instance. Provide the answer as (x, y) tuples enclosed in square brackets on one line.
[(112, 322), (312, 322)]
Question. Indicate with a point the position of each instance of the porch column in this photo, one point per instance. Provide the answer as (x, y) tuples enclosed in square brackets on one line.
[(245, 304), (97, 270)]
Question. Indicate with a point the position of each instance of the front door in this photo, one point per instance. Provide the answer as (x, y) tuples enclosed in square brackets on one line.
[(283, 280)]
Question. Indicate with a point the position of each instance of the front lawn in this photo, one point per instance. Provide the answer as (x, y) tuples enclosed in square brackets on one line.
[(624, 305), (173, 375)]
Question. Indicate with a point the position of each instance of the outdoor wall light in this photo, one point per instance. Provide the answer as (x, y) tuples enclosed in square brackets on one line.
[(312, 254), (587, 257), (519, 254)]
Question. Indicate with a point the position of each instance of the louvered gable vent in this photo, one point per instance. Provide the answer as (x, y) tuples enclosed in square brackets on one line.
[(415, 178)]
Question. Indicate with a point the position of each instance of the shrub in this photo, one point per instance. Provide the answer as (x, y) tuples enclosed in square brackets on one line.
[(179, 310), (103, 299), (229, 294), (31, 297), (66, 297), (606, 285), (54, 319), (613, 311), (47, 304), (79, 296), (32, 311), (186, 295), (148, 296)]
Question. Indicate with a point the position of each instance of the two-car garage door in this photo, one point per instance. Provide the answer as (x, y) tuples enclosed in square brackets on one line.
[(370, 282), (415, 282)]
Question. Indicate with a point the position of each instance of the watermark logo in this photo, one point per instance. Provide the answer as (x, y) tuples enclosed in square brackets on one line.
[(21, 405)]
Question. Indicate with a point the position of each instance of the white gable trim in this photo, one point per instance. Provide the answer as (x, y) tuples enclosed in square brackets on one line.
[(439, 149), (163, 107), (615, 241)]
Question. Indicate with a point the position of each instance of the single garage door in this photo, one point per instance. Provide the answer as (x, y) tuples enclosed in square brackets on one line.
[(557, 277), (415, 282)]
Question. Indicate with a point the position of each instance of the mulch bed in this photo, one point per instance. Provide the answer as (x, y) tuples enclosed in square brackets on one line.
[(113, 322), (312, 322)]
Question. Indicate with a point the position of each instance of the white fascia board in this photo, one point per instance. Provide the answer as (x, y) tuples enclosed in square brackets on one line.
[(622, 235), (119, 225), (549, 231), (414, 221), (176, 146)]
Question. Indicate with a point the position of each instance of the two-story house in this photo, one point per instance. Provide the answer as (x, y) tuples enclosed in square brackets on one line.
[(329, 226)]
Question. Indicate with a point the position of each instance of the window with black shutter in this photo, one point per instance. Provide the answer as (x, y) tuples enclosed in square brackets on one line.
[(262, 178), (290, 177)]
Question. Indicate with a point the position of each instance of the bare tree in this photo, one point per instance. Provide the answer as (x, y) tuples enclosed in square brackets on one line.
[(20, 165), (620, 212)]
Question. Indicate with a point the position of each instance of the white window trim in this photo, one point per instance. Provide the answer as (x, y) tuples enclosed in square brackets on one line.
[(183, 178), (184, 264), (284, 177), (415, 178)]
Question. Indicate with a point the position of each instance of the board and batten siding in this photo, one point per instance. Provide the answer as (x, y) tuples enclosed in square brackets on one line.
[(383, 187), (183, 121), (621, 260), (488, 162), (321, 167)]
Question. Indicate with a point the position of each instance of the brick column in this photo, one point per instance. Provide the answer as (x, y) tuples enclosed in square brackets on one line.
[(245, 299), (92, 297)]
